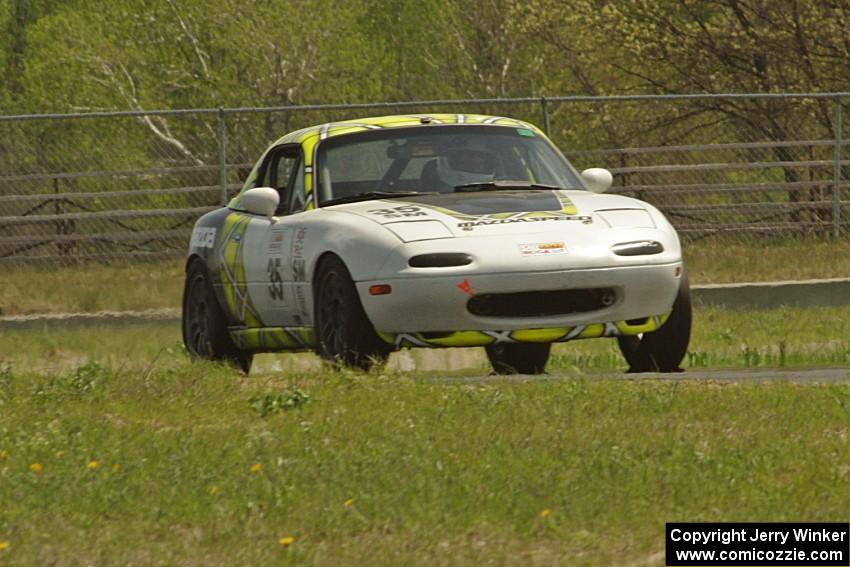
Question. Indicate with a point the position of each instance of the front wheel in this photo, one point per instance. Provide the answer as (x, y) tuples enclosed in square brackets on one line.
[(521, 358), (204, 324), (345, 335), (664, 349)]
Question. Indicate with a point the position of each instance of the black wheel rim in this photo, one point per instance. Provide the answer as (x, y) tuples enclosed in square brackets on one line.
[(332, 316), (197, 318)]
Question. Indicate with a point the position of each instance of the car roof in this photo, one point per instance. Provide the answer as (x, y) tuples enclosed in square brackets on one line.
[(331, 129)]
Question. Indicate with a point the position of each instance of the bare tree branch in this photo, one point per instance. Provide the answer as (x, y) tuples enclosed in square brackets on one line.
[(199, 54)]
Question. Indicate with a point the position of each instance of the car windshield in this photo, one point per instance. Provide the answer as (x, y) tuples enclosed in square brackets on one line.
[(439, 158)]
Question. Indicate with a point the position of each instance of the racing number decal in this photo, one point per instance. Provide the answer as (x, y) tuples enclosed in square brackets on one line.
[(399, 212), (275, 279)]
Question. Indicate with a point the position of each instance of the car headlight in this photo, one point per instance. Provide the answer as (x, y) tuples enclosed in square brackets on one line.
[(411, 231), (626, 218)]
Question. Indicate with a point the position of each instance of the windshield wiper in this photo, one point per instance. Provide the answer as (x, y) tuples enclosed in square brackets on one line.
[(502, 185), (371, 195)]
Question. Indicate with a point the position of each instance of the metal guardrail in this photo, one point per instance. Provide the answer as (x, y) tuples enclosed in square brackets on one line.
[(105, 186)]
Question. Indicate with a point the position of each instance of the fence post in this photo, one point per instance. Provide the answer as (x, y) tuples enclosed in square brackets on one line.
[(222, 155), (544, 105), (57, 210), (836, 182)]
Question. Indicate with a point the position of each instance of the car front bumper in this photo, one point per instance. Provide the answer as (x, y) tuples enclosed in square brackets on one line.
[(435, 308)]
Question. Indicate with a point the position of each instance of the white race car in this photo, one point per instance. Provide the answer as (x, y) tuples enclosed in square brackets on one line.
[(357, 238)]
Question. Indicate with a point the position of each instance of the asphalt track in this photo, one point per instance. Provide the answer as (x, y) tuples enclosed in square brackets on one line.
[(746, 375)]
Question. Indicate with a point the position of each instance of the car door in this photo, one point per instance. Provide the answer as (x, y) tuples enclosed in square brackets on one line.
[(273, 247)]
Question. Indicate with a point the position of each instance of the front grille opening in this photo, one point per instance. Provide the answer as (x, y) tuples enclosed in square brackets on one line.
[(440, 260), (435, 334), (541, 303), (641, 321)]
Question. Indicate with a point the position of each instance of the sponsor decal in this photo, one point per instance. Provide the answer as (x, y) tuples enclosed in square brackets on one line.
[(276, 237), (422, 150), (399, 212), (298, 263), (542, 248), (203, 237), (472, 224), (465, 287), (299, 273)]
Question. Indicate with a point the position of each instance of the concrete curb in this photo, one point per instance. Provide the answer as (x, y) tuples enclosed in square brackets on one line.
[(54, 321), (768, 295), (833, 292)]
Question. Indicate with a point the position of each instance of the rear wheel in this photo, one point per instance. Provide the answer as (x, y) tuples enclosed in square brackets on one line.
[(345, 335), (521, 358), (204, 324), (664, 349)]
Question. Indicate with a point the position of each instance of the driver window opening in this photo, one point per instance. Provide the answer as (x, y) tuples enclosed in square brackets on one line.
[(284, 173)]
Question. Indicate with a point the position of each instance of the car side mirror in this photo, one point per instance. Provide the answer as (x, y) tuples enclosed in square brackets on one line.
[(597, 179), (261, 201)]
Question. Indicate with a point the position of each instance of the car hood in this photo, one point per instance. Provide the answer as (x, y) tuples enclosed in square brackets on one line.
[(501, 212)]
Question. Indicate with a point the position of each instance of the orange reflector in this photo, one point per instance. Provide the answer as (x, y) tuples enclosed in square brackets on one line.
[(380, 289)]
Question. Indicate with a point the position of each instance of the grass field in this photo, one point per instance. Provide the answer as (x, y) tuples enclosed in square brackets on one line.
[(196, 465), (92, 288), (114, 449), (785, 337)]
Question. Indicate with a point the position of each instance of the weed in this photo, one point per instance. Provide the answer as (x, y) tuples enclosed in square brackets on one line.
[(84, 378), (697, 359), (751, 356), (271, 403)]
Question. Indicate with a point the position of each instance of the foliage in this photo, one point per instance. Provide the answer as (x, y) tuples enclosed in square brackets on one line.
[(68, 56), (673, 46)]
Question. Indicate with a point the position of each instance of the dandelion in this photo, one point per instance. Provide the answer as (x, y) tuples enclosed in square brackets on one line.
[(286, 541), (348, 502), (92, 465), (35, 467), (256, 468), (213, 490), (5, 545), (545, 512)]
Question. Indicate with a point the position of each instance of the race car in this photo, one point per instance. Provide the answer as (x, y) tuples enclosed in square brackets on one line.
[(354, 239)]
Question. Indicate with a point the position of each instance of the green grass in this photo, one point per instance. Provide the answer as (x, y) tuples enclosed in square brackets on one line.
[(159, 285), (786, 337), (725, 261), (195, 465), (144, 458), (91, 288)]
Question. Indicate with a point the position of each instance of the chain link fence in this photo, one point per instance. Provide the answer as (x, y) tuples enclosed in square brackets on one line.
[(127, 186)]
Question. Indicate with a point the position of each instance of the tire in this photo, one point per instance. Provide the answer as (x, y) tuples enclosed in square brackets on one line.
[(664, 349), (344, 334), (204, 324), (524, 358)]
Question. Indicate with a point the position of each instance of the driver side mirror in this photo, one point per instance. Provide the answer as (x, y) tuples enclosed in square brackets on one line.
[(261, 201), (597, 180)]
